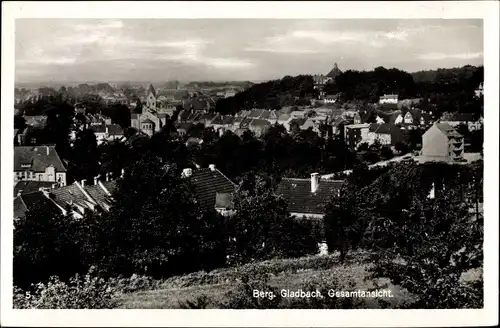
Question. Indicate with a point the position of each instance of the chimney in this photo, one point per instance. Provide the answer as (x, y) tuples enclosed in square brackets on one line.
[(83, 183), (212, 167), (314, 181), (96, 178), (48, 150), (186, 173), (123, 173), (107, 176)]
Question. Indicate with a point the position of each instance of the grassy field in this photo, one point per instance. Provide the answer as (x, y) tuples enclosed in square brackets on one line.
[(289, 274)]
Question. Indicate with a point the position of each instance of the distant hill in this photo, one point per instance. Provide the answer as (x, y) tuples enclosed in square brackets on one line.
[(273, 94), (464, 72)]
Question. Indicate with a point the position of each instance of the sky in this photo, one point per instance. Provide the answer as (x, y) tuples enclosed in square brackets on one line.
[(156, 50)]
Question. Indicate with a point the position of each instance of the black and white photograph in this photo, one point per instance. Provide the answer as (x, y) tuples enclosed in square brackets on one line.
[(215, 163)]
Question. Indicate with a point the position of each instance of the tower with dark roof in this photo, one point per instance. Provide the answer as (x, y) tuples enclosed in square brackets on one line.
[(334, 72), (150, 99)]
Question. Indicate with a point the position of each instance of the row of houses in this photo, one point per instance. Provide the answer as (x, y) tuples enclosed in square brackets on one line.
[(40, 179)]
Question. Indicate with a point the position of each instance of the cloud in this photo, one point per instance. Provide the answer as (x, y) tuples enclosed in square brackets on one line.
[(442, 56)]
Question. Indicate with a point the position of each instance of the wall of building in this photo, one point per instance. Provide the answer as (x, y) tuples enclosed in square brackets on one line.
[(435, 143)]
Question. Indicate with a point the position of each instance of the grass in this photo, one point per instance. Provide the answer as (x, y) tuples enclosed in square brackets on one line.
[(282, 274)]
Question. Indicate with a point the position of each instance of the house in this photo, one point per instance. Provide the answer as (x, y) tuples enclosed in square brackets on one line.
[(212, 189), (329, 99), (38, 163), (107, 132), (472, 121), (74, 199), (311, 124), (36, 121), (308, 197), (408, 102), (388, 99), (479, 92), (298, 113), (442, 142), (385, 133), (320, 80), (357, 118), (355, 133), (259, 127), (297, 123)]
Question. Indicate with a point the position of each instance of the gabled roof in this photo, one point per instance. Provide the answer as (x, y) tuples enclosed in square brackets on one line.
[(207, 184), (26, 187), (260, 123), (447, 129), (30, 201), (300, 199), (38, 157), (69, 196), (298, 121)]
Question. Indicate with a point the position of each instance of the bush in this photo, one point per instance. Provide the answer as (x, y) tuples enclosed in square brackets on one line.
[(87, 292)]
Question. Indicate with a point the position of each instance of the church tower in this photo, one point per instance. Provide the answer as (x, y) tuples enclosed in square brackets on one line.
[(151, 98)]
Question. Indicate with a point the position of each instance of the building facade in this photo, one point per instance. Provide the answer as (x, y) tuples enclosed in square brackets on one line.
[(443, 143), (38, 163)]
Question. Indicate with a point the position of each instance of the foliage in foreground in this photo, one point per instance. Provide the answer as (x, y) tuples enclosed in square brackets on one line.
[(87, 292)]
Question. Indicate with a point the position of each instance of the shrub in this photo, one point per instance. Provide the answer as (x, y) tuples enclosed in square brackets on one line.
[(87, 292)]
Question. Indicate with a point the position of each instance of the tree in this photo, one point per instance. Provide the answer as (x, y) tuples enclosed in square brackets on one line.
[(19, 122), (84, 160), (48, 243), (262, 227), (155, 226)]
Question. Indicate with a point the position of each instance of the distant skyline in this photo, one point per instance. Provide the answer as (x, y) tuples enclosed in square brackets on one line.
[(81, 50)]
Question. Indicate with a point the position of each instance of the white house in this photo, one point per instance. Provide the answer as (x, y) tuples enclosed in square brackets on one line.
[(388, 99)]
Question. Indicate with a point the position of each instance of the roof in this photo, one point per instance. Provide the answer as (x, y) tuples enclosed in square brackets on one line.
[(26, 187), (228, 120), (30, 201), (36, 120), (115, 130), (260, 123), (460, 117), (389, 97), (151, 89), (358, 126), (98, 128), (68, 196), (447, 129), (334, 72), (384, 128), (207, 184), (38, 157), (98, 195), (147, 121), (299, 121), (300, 199), (184, 126), (284, 117)]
